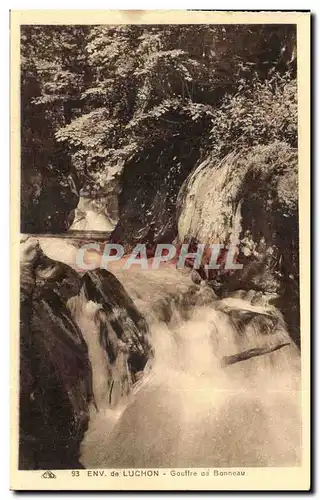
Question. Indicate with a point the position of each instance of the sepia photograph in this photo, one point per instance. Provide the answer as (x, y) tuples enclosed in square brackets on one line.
[(159, 227)]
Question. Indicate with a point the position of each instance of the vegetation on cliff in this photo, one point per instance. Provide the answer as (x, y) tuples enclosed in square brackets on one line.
[(149, 100)]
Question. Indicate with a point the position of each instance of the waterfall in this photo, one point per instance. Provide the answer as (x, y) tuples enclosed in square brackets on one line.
[(84, 313), (222, 387), (191, 411), (91, 215)]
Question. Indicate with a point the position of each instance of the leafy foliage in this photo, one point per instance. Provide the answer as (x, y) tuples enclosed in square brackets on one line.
[(99, 97), (264, 114)]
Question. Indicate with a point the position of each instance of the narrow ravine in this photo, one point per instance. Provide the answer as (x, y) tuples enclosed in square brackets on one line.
[(176, 377)]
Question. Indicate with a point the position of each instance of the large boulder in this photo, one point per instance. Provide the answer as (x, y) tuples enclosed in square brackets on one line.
[(70, 327), (249, 199), (55, 373), (123, 333)]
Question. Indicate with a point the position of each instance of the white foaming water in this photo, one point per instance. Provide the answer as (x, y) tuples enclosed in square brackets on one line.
[(84, 312), (189, 411)]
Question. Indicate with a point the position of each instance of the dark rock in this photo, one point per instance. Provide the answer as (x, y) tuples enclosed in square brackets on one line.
[(149, 188), (251, 353), (121, 314), (55, 373), (46, 202)]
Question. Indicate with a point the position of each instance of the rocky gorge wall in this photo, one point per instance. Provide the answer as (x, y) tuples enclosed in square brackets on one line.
[(249, 198)]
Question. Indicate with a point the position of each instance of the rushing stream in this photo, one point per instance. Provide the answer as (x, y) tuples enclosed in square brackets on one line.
[(188, 409), (192, 412)]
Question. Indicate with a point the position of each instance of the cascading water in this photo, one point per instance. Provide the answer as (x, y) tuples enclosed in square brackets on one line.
[(206, 398), (84, 313), (191, 411)]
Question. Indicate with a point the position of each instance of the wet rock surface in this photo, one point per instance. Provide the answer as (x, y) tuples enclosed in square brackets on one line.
[(56, 385), (55, 374), (249, 199)]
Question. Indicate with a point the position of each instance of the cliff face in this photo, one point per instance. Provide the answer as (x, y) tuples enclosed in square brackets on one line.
[(250, 199), (47, 201), (149, 190)]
